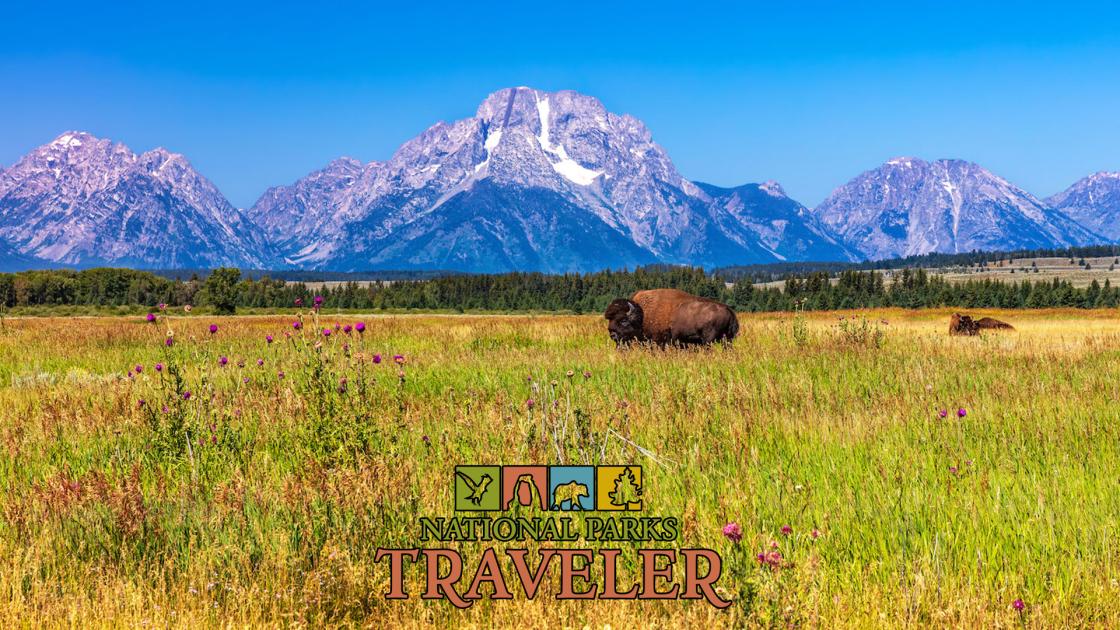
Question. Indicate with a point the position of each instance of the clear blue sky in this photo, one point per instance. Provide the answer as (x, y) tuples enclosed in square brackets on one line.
[(259, 95)]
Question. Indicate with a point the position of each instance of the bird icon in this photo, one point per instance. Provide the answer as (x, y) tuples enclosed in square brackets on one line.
[(477, 488)]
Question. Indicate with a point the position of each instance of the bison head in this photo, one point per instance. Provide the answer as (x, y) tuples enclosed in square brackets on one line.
[(625, 317)]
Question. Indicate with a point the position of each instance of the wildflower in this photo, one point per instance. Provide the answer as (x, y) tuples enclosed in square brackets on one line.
[(733, 532), (139, 368), (360, 327), (773, 544), (280, 374), (587, 374), (140, 403), (159, 367), (953, 470), (241, 363), (222, 361), (1018, 604), (297, 324), (151, 318), (186, 395), (299, 302), (260, 362), (943, 413), (398, 359), (162, 306), (427, 440), (376, 359), (342, 385), (530, 403), (318, 301), (347, 328), (165, 409), (245, 380), (786, 530), (570, 373), (815, 534), (326, 332), (961, 412), (761, 558), (187, 308), (169, 341), (213, 328), (268, 338)]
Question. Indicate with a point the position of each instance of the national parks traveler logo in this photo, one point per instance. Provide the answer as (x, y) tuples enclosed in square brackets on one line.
[(549, 488)]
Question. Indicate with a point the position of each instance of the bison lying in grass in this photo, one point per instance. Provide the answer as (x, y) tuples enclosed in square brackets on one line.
[(669, 316), (965, 325)]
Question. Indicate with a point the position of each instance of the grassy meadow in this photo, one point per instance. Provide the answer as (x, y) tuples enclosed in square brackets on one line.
[(261, 498)]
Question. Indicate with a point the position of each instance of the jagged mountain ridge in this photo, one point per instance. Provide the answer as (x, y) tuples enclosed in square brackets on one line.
[(1094, 202), (560, 155), (908, 206), (533, 181), (84, 201)]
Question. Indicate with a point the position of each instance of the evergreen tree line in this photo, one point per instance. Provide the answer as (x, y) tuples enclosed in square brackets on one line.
[(227, 290)]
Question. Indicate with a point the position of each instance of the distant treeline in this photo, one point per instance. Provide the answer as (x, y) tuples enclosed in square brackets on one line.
[(581, 293), (779, 271)]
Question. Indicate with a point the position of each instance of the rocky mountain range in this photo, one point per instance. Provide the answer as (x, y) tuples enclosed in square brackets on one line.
[(533, 181)]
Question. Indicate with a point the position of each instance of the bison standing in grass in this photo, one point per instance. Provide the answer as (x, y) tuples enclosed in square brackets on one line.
[(670, 316)]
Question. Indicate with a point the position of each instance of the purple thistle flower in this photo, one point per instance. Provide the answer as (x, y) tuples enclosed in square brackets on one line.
[(427, 440), (318, 301), (213, 328), (186, 395), (326, 332), (953, 470), (530, 403), (347, 328), (1018, 604), (268, 338), (297, 324), (260, 362), (961, 412), (222, 361), (360, 327), (733, 532), (786, 530), (280, 374), (159, 367), (376, 359), (398, 359), (815, 534), (140, 403), (245, 380), (943, 413), (169, 342), (139, 368), (162, 306), (299, 301), (151, 318), (761, 558)]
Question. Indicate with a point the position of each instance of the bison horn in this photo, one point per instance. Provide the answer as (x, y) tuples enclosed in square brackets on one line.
[(630, 312)]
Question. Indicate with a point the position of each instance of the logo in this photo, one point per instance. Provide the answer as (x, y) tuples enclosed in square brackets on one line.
[(556, 507), (476, 488), (549, 488)]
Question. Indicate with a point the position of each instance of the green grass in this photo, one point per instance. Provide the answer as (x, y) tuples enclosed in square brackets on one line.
[(106, 515)]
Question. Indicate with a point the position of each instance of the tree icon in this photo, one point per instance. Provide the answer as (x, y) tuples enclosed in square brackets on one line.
[(627, 493)]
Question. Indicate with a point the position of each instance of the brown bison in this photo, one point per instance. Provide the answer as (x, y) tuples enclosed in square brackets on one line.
[(991, 323), (665, 316), (965, 325)]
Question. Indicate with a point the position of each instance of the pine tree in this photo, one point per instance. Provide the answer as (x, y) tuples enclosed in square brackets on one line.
[(627, 491)]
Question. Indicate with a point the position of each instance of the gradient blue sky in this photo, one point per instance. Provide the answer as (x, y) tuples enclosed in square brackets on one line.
[(260, 94)]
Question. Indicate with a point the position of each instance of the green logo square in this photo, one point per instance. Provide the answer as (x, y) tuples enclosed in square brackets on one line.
[(478, 488)]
